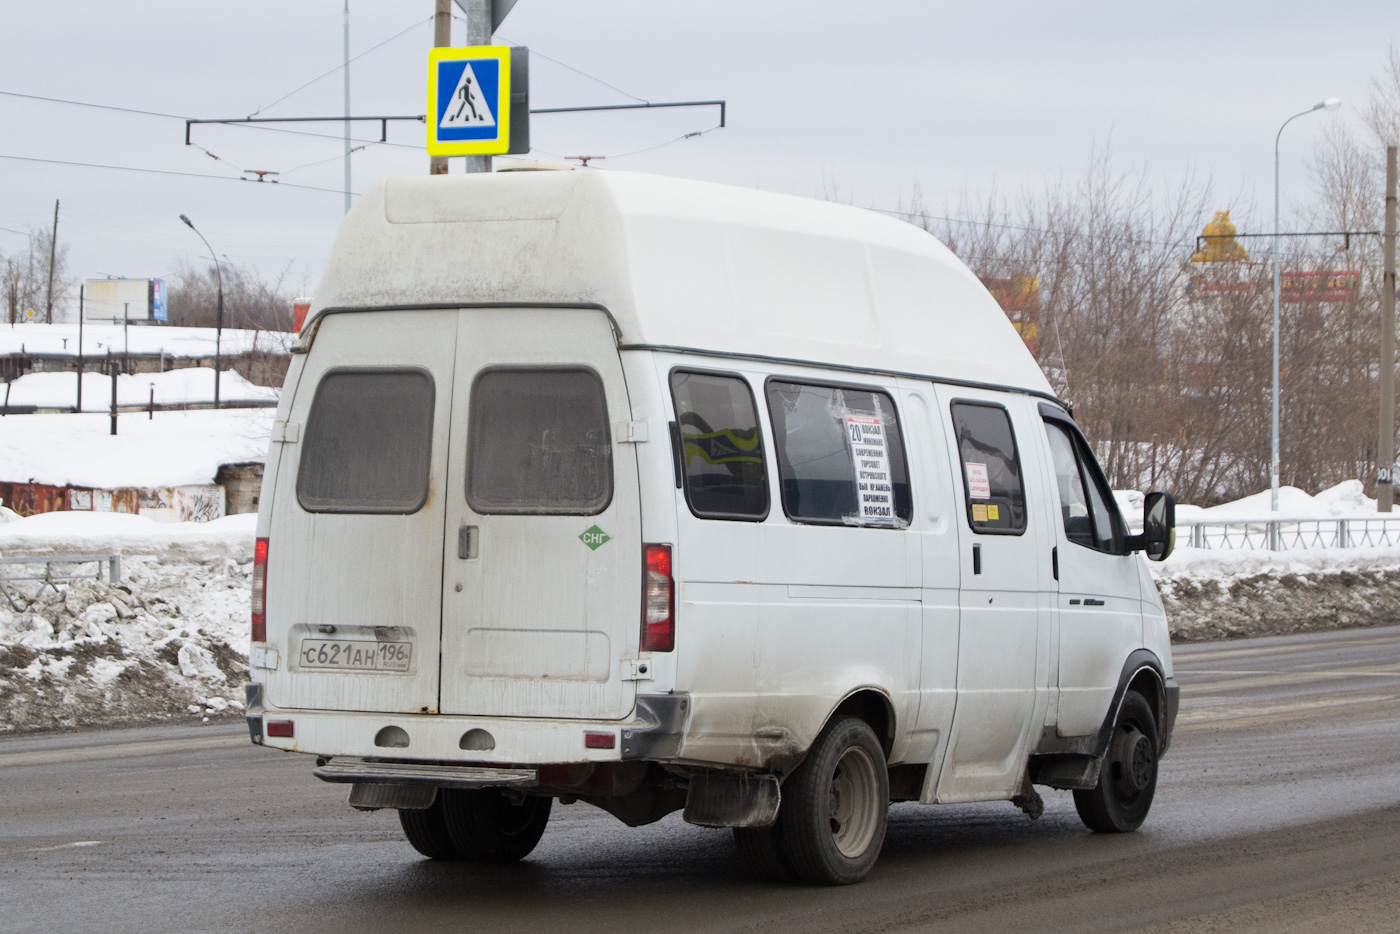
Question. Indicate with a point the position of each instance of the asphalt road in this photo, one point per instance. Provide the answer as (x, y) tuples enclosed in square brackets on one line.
[(1278, 810)]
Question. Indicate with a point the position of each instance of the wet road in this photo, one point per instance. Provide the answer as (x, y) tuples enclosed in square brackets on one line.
[(1278, 810)]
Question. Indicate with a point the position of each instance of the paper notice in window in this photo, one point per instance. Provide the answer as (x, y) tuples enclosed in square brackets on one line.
[(871, 460), (978, 486)]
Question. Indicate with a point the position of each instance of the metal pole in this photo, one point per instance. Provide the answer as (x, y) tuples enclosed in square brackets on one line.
[(347, 129), (479, 30), (442, 36), (1330, 103), (53, 248), (218, 334), (219, 322), (111, 368), (126, 336), (1385, 448), (81, 289)]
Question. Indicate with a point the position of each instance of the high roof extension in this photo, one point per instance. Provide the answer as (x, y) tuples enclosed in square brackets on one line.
[(681, 265)]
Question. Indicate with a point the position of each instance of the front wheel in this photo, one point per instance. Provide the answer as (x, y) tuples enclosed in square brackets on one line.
[(1128, 778), (835, 805)]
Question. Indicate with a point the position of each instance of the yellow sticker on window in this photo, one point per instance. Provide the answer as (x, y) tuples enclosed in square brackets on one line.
[(992, 513), (979, 512)]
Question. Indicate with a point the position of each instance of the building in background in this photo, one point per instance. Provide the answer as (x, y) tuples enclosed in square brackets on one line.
[(1019, 297)]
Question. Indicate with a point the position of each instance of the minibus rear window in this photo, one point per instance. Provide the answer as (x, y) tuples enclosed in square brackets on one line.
[(996, 496), (369, 438), (538, 442), (722, 446), (840, 455)]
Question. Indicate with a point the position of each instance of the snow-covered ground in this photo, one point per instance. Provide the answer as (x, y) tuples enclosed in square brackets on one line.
[(173, 449), (168, 640), (173, 387), (99, 338)]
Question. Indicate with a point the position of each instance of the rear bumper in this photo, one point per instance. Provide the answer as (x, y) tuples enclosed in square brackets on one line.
[(655, 731)]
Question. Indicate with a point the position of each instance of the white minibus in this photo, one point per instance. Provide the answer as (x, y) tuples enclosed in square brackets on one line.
[(667, 496)]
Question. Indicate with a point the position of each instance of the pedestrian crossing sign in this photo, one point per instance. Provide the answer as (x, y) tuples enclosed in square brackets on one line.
[(469, 101)]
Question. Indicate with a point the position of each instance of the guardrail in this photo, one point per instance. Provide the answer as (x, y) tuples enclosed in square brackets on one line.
[(1291, 534), (49, 578)]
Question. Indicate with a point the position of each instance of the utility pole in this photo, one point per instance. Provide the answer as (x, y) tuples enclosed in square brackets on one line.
[(346, 69), (79, 408), (442, 36), (53, 245), (479, 31), (1385, 448)]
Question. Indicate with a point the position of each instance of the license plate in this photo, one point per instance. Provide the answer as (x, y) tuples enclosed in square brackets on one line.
[(355, 656)]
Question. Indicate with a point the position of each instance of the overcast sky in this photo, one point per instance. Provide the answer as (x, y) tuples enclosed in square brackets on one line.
[(868, 100)]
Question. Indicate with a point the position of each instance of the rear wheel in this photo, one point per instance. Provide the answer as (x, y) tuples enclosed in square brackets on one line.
[(761, 848), (835, 805), (426, 830), (486, 826), (1128, 779)]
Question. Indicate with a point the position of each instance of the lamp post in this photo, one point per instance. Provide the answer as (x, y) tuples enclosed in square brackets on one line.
[(219, 322), (1332, 103)]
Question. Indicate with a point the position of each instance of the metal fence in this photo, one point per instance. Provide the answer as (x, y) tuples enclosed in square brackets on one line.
[(1285, 534), (21, 568)]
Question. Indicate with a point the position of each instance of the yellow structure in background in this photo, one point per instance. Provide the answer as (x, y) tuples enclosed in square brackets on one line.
[(1221, 246)]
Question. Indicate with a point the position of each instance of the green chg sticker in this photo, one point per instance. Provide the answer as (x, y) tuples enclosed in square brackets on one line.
[(595, 538)]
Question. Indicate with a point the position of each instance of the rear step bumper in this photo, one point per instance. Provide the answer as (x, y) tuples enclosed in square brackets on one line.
[(413, 773), (655, 731)]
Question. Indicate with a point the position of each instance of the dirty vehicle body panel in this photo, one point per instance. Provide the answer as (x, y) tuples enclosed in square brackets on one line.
[(640, 491)]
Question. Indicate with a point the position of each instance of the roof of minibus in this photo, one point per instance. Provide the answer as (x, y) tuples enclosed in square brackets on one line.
[(681, 264)]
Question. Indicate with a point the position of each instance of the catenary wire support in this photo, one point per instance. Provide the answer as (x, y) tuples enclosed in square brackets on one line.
[(384, 120), (1346, 235)]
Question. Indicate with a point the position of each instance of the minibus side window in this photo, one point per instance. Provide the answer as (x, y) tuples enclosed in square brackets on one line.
[(538, 442), (840, 455), (368, 443), (1091, 519), (721, 446), (996, 496), (1074, 503)]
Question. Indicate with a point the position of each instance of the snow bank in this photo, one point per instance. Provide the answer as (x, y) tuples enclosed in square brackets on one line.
[(76, 533), (173, 387), (173, 449), (168, 640), (99, 338)]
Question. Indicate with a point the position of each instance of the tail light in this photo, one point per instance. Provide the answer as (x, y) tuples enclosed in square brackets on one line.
[(658, 601), (260, 590)]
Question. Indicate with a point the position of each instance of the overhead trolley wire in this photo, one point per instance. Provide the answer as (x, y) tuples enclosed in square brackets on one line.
[(132, 168)]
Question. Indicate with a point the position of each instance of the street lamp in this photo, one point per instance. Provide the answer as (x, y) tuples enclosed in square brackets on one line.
[(1332, 103), (219, 322)]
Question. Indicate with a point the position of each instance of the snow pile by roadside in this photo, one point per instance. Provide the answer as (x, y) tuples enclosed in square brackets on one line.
[(1224, 593), (168, 640), (173, 387)]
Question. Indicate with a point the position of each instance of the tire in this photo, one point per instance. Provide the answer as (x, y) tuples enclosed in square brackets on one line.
[(487, 827), (426, 830), (835, 806), (1128, 778), (761, 849)]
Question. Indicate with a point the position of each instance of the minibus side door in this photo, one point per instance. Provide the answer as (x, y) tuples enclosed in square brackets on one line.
[(1100, 603), (1004, 631)]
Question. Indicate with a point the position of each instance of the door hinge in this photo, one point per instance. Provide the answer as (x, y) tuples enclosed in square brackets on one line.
[(636, 669), (263, 656), (286, 432), (632, 432)]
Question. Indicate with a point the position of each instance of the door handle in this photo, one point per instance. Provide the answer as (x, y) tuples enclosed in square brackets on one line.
[(976, 559), (468, 537)]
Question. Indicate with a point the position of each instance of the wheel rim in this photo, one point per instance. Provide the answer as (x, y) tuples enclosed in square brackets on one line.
[(854, 802), (1134, 765)]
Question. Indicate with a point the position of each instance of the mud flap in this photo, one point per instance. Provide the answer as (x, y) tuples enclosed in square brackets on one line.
[(732, 799), (371, 797)]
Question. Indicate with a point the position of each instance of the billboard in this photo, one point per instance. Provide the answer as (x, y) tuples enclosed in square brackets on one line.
[(118, 300)]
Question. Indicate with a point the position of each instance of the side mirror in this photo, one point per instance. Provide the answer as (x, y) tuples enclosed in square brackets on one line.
[(1158, 525)]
